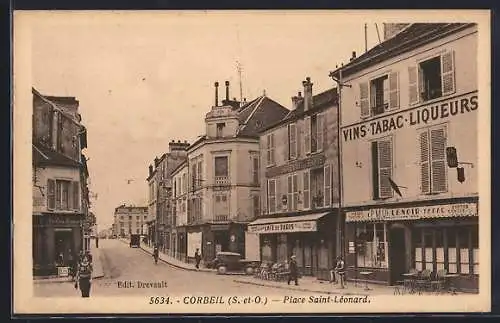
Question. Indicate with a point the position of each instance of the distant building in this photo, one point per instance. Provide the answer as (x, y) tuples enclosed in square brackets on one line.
[(129, 220), (179, 210), (411, 106), (61, 221), (299, 186), (223, 183)]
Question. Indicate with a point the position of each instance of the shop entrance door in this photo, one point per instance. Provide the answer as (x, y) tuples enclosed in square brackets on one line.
[(64, 249), (397, 254), (308, 259)]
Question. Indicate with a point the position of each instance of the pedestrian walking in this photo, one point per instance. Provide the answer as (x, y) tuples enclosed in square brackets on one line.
[(293, 275), (84, 276), (71, 264), (340, 270), (333, 271), (156, 254), (97, 242), (197, 258)]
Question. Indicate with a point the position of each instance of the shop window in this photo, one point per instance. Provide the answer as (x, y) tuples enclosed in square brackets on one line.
[(428, 249), (298, 252), (464, 243), (271, 196), (475, 249), (323, 255), (451, 237), (282, 248), (433, 168), (417, 243), (372, 245), (382, 168), (439, 244)]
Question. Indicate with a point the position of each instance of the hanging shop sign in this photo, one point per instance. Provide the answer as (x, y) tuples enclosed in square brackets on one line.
[(300, 226), (414, 213), (419, 116)]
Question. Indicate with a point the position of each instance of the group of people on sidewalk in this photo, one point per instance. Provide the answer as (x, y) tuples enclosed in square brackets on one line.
[(337, 272)]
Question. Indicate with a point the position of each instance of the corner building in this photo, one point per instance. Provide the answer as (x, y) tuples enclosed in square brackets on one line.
[(300, 188), (412, 98)]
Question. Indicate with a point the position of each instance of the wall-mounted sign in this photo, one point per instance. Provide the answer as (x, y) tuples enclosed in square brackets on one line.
[(296, 165), (300, 226), (414, 117), (413, 213)]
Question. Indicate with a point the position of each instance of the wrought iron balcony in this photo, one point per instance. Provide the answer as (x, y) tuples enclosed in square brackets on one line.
[(222, 180), (221, 217)]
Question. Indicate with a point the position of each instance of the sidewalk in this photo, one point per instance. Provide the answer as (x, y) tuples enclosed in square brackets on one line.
[(97, 273), (171, 260), (311, 284)]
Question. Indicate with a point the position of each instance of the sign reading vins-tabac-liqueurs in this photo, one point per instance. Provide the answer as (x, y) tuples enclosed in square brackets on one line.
[(413, 213), (414, 117), (300, 226)]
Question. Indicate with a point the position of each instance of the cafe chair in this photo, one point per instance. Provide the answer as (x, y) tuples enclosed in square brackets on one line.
[(409, 282), (438, 284), (423, 282)]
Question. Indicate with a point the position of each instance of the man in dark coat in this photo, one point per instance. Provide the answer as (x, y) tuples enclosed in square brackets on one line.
[(292, 267), (156, 254), (84, 276)]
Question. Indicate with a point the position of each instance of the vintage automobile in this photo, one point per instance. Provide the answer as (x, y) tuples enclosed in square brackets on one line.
[(135, 241), (232, 262)]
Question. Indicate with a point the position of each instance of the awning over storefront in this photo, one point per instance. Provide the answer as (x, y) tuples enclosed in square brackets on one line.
[(300, 223)]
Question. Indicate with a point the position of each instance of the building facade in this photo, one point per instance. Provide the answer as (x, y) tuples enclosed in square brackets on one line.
[(299, 186), (179, 210), (129, 219), (61, 223), (160, 216), (223, 183), (411, 109)]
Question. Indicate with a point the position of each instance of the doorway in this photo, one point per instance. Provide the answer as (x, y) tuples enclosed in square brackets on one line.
[(397, 254), (64, 246)]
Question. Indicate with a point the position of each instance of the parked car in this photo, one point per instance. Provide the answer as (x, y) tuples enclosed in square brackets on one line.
[(232, 262)]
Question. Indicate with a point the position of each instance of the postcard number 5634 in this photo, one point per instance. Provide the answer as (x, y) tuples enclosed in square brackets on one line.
[(159, 300)]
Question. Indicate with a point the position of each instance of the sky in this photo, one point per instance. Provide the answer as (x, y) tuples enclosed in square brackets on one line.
[(145, 79)]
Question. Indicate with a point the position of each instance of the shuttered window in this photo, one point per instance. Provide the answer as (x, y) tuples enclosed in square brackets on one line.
[(255, 170), (382, 168), (306, 196), (328, 185), (51, 194), (448, 73), (307, 135), (271, 195), (364, 102), (393, 90), (58, 195), (270, 149), (256, 205), (75, 191), (413, 84), (289, 192), (320, 122), (433, 168), (292, 141)]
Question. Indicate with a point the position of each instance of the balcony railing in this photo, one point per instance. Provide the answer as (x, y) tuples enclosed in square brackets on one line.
[(221, 217), (222, 180)]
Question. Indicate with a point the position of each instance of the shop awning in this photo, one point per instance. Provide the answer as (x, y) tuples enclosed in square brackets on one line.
[(300, 223)]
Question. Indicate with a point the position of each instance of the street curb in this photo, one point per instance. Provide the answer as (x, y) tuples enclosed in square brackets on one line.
[(50, 281), (177, 266), (298, 289)]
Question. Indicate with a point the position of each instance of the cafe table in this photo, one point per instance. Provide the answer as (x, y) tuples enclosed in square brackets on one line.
[(410, 285), (366, 274), (450, 279)]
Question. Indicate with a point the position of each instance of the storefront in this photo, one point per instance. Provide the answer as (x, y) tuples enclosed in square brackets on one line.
[(215, 237), (310, 237), (389, 241), (57, 239)]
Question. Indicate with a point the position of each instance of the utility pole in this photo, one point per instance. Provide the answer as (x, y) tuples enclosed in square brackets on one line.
[(366, 38), (240, 69)]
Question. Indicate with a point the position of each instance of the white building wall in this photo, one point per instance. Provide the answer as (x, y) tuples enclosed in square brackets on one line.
[(461, 128)]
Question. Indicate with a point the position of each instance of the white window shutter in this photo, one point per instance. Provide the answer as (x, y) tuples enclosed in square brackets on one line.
[(364, 100), (448, 73), (295, 189), (307, 135), (393, 90), (327, 181), (289, 193), (306, 190), (425, 187), (413, 84), (385, 168), (293, 140), (438, 160), (319, 131)]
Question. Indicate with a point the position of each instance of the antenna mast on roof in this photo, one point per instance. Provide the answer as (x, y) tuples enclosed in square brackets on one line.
[(239, 67), (366, 38), (378, 33)]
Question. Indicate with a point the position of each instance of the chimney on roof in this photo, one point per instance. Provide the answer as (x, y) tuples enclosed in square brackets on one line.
[(156, 161), (308, 99), (216, 93), (227, 90), (392, 29), (178, 146), (150, 170), (296, 100), (353, 55)]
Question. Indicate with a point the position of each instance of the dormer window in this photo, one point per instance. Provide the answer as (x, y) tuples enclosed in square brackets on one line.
[(220, 129)]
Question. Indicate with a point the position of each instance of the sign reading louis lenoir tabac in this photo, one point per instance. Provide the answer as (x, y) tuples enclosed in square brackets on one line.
[(413, 117), (413, 213)]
